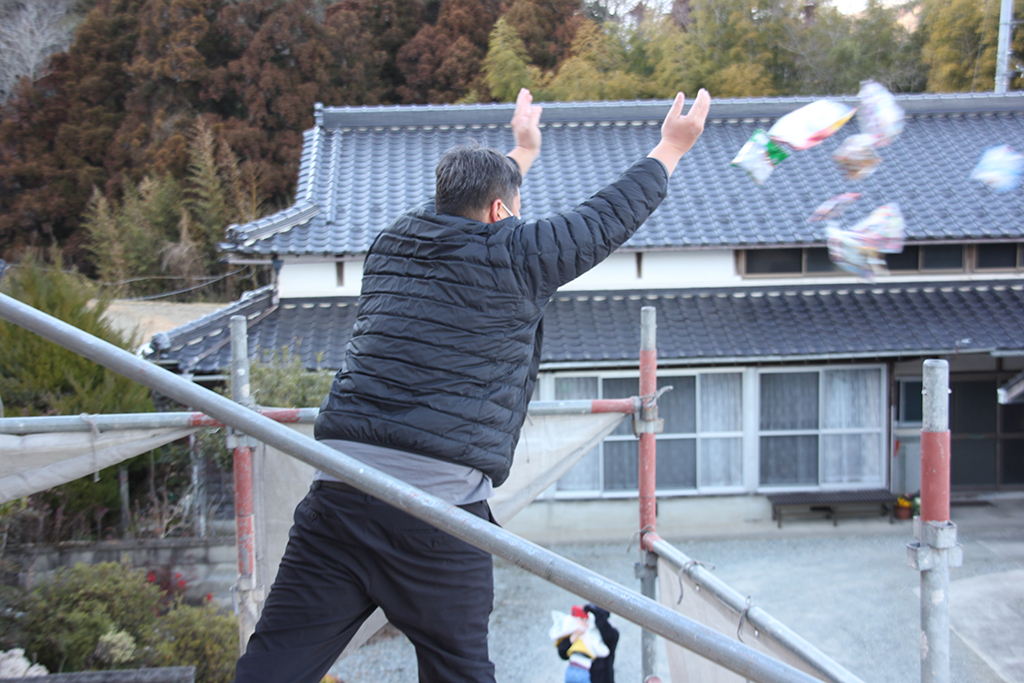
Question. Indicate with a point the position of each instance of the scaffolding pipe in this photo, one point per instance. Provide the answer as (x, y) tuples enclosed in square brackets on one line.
[(936, 549), (113, 421), (831, 670), (246, 598), (647, 568), (649, 417), (726, 652)]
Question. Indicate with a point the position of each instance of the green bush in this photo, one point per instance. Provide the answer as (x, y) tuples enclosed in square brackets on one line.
[(282, 382), (197, 636), (65, 618), (39, 377)]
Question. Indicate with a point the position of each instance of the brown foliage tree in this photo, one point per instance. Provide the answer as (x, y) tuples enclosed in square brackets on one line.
[(119, 105), (385, 26), (547, 28), (56, 134), (443, 62)]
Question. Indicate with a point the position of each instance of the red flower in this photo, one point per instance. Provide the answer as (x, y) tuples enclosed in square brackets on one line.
[(151, 576)]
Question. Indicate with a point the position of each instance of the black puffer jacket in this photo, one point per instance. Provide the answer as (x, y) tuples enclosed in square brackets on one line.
[(445, 350)]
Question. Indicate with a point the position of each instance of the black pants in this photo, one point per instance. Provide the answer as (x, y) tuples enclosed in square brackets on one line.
[(349, 553)]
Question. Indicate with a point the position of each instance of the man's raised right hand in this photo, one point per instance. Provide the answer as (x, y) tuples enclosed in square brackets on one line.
[(679, 133)]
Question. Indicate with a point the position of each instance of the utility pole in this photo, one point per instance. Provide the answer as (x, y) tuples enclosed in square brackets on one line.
[(1003, 49)]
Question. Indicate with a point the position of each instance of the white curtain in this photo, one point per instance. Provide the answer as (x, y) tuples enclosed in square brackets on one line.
[(586, 475), (852, 400), (721, 410)]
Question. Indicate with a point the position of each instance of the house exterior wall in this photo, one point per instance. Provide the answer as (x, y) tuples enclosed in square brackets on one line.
[(660, 270), (718, 422), (318, 276), (989, 456), (991, 450), (308, 276)]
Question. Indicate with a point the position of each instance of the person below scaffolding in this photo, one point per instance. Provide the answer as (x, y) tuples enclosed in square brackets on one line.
[(434, 389)]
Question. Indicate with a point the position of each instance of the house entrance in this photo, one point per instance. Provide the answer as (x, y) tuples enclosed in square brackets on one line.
[(987, 438)]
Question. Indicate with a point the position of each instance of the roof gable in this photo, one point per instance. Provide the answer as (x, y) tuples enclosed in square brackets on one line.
[(362, 166)]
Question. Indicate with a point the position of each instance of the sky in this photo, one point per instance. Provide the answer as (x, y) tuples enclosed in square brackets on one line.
[(850, 6), (854, 6)]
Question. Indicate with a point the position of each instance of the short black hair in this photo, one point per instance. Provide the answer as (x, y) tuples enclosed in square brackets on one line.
[(470, 177)]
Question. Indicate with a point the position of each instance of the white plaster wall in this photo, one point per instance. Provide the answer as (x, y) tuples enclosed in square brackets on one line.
[(304, 277), (316, 276), (661, 270)]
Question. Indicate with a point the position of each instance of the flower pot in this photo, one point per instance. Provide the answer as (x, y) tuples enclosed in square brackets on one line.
[(902, 512)]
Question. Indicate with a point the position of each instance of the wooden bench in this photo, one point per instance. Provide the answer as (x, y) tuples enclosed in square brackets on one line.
[(834, 503)]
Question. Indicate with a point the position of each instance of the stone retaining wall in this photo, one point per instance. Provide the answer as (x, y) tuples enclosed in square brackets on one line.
[(207, 565)]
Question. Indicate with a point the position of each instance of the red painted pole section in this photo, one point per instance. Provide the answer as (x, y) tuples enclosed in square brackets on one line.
[(245, 537), (613, 405), (935, 457), (935, 451), (648, 447)]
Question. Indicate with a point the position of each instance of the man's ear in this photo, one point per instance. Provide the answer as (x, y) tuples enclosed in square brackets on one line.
[(494, 212)]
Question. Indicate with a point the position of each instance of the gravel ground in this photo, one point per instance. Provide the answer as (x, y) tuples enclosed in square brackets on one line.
[(850, 593)]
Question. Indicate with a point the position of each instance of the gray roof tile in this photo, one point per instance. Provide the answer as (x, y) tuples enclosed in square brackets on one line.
[(694, 326), (362, 166)]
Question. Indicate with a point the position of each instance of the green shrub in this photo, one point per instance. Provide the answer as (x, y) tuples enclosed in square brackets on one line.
[(39, 377), (282, 382), (65, 618), (197, 636)]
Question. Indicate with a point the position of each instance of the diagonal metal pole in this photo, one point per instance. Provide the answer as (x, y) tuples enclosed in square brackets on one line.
[(733, 655)]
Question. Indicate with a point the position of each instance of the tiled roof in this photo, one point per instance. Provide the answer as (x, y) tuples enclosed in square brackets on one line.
[(362, 166), (695, 327)]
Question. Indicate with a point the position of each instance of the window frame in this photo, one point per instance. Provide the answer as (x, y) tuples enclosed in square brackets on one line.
[(820, 432), (697, 435), (742, 265), (1018, 262)]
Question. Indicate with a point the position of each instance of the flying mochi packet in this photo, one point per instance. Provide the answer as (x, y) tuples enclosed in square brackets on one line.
[(759, 156), (999, 168), (859, 250), (809, 125)]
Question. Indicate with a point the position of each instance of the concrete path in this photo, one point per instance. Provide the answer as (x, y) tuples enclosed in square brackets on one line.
[(846, 589)]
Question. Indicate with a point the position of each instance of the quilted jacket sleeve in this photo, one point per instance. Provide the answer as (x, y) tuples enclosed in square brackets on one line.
[(559, 249)]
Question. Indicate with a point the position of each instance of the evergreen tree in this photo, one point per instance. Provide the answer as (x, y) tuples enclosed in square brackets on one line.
[(962, 37), (506, 66), (734, 48), (164, 234), (597, 70), (546, 27), (38, 377)]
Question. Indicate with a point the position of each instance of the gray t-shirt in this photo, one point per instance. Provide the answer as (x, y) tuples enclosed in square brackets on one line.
[(454, 484)]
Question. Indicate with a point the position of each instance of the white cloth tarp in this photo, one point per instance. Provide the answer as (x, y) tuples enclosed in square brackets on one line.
[(36, 462), (700, 605), (549, 446)]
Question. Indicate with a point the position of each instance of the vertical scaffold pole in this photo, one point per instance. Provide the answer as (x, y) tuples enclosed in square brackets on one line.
[(245, 536), (936, 550), (647, 569)]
